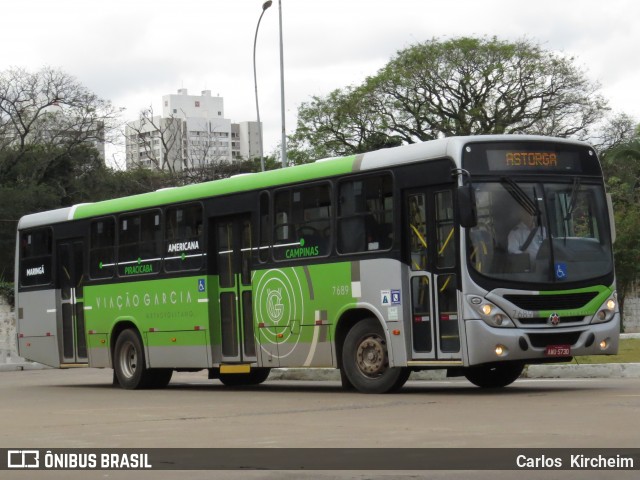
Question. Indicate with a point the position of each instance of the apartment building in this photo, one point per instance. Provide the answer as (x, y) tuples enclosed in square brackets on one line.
[(192, 132)]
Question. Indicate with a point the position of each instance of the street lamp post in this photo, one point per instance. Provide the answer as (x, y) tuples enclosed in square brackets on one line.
[(265, 5), (284, 136)]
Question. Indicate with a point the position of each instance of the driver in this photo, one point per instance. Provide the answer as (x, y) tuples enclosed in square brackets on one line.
[(526, 236)]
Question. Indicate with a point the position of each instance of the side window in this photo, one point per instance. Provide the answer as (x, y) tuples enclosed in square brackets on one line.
[(140, 243), (265, 227), (445, 229), (102, 248), (35, 257), (418, 231), (365, 214), (184, 241), (283, 226), (302, 223)]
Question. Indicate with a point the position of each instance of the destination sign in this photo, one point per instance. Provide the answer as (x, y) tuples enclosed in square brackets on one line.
[(529, 160)]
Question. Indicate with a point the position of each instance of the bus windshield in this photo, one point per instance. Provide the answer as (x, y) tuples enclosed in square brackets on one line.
[(534, 232)]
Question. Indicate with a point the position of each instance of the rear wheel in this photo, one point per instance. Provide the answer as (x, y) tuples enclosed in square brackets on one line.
[(129, 361), (495, 375), (255, 377), (365, 360)]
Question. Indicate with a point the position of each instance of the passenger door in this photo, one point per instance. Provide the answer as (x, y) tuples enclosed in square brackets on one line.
[(71, 324), (431, 246), (234, 243)]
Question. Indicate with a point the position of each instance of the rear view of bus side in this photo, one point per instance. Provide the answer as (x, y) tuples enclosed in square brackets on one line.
[(378, 264)]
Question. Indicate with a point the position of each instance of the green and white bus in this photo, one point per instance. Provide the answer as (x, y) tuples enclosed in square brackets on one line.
[(377, 264)]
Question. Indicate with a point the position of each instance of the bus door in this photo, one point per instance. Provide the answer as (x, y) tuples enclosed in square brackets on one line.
[(71, 326), (430, 239), (233, 247)]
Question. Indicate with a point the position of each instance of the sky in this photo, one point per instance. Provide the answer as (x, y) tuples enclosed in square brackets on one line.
[(132, 52)]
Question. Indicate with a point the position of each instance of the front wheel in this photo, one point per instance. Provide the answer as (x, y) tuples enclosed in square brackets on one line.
[(365, 360), (495, 375)]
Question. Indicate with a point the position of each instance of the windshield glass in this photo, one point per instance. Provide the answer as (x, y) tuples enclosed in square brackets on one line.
[(539, 233)]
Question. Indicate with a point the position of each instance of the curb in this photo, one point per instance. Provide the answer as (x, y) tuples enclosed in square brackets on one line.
[(14, 367), (597, 370)]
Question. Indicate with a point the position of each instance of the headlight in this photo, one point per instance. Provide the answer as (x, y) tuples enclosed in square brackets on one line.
[(490, 313), (607, 310)]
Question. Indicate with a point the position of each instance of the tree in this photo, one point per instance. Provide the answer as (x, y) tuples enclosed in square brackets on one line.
[(463, 86), (616, 131), (50, 126), (157, 140), (343, 123), (49, 110), (621, 165), (190, 150)]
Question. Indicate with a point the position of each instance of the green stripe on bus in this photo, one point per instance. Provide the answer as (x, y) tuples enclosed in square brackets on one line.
[(589, 308), (242, 183)]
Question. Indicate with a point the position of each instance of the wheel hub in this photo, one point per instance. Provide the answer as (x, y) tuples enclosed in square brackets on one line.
[(129, 360), (371, 356)]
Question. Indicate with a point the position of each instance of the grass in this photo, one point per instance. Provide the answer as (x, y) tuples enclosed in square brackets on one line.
[(628, 352)]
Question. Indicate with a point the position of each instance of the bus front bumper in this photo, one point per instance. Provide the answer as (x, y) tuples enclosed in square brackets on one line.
[(486, 344)]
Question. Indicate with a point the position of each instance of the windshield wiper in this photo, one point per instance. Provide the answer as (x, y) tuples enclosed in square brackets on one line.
[(524, 200)]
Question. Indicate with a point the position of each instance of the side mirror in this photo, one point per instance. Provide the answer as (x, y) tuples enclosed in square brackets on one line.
[(467, 212)]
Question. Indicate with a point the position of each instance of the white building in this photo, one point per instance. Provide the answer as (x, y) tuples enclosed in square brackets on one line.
[(249, 143), (156, 143), (192, 132)]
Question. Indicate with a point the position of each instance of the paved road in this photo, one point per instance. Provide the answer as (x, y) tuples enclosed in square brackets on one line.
[(80, 409)]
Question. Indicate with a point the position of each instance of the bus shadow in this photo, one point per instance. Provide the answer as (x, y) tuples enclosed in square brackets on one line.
[(440, 388)]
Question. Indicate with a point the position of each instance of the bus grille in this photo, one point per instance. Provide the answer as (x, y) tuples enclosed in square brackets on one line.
[(545, 320), (565, 301), (541, 340)]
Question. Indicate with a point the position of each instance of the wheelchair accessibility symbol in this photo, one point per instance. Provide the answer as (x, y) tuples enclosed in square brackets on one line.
[(561, 270), (201, 285)]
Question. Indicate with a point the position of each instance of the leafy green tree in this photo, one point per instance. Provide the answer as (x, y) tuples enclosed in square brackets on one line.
[(343, 123), (76, 176), (617, 130), (220, 169), (462, 86), (622, 170), (49, 126)]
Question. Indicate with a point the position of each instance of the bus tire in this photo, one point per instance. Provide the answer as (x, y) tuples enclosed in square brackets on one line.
[(402, 379), (255, 377), (494, 375), (129, 361), (365, 360)]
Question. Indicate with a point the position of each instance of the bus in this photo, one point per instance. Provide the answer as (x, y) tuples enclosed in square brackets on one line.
[(376, 264)]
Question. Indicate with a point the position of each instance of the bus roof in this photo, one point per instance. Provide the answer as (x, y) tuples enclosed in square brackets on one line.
[(446, 147)]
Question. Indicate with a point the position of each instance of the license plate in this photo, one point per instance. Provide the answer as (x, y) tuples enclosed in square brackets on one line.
[(558, 351)]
